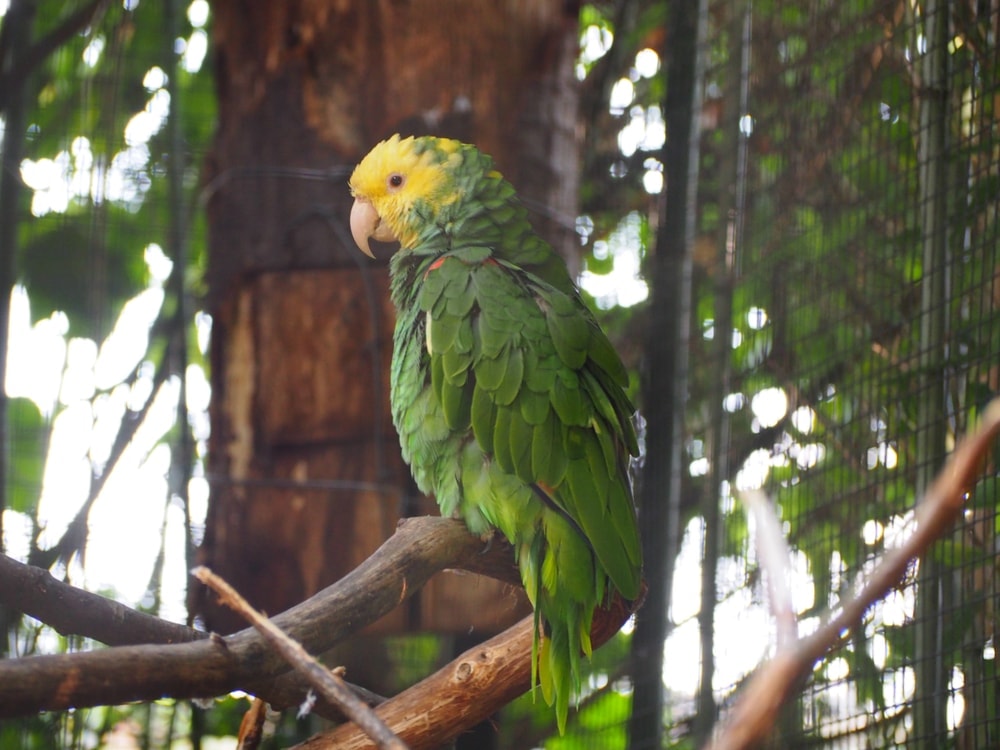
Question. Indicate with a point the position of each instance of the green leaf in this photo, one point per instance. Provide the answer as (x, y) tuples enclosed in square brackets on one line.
[(27, 463)]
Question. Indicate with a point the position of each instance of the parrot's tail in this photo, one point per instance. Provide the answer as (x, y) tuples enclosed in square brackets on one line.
[(558, 570), (559, 654)]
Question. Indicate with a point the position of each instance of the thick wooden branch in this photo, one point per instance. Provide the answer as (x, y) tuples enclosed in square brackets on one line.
[(213, 666), (75, 612), (466, 691)]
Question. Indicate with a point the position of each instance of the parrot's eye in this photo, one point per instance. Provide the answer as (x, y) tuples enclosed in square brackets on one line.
[(396, 181)]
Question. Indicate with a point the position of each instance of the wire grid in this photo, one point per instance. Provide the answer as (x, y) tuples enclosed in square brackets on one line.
[(867, 284)]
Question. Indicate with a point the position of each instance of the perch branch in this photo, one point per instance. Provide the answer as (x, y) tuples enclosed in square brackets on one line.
[(466, 691), (777, 681), (328, 683), (74, 612), (213, 666)]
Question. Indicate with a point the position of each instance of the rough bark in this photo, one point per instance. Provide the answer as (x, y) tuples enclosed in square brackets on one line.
[(476, 684)]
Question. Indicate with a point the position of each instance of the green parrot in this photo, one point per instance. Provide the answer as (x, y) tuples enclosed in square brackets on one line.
[(508, 398)]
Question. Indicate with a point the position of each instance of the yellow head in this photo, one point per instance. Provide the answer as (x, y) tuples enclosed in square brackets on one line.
[(395, 178)]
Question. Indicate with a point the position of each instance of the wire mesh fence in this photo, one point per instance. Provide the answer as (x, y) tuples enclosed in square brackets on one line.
[(846, 333), (854, 278)]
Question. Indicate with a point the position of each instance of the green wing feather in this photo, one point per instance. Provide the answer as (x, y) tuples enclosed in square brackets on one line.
[(522, 368)]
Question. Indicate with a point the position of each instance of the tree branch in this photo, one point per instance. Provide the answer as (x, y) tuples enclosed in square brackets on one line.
[(755, 713), (212, 666), (328, 683), (72, 611), (466, 691)]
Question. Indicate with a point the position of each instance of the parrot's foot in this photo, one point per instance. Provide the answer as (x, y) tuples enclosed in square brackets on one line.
[(487, 537)]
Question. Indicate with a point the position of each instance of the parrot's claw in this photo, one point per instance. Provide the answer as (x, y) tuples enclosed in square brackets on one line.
[(487, 541)]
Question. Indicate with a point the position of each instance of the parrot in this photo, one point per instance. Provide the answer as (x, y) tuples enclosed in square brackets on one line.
[(509, 400)]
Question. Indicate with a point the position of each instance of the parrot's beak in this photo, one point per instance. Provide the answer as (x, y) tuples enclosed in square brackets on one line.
[(366, 225)]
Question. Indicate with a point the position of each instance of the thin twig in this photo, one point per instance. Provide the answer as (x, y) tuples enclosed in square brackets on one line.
[(773, 553), (329, 685)]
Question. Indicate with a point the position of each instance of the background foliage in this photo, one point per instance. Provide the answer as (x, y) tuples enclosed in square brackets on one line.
[(844, 331)]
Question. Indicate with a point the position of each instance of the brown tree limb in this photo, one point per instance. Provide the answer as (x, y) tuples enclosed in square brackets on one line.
[(72, 611), (779, 680), (327, 683), (213, 666), (466, 691)]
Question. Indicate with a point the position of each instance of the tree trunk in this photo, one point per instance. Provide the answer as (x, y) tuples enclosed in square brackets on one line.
[(304, 465)]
